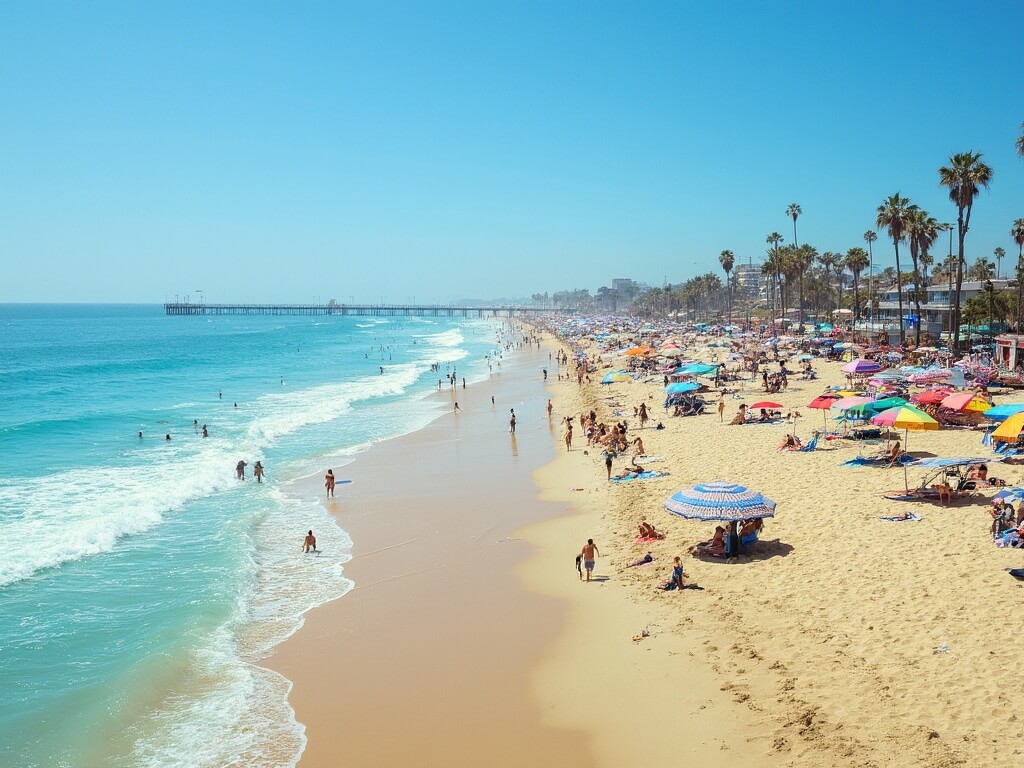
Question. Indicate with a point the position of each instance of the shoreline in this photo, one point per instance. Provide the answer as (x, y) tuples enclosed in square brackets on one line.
[(437, 635)]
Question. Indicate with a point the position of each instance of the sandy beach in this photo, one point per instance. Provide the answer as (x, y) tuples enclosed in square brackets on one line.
[(843, 639)]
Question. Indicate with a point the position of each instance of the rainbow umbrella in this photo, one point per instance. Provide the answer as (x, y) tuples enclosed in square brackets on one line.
[(905, 417), (965, 401), (846, 403)]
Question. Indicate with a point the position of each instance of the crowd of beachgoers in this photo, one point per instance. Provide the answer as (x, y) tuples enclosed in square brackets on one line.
[(854, 488)]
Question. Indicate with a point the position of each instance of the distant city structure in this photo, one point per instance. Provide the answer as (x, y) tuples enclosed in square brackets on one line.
[(625, 286), (748, 279)]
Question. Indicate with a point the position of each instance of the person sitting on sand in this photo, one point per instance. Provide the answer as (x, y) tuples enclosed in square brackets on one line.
[(751, 526), (791, 443), (740, 417), (678, 575), (638, 447), (893, 453), (765, 417), (648, 531), (715, 547), (979, 472)]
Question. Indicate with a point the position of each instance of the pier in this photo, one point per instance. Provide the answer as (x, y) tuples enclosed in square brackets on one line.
[(332, 308)]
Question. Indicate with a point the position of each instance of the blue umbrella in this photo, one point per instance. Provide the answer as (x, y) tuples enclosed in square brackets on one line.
[(697, 369), (681, 387), (719, 501), (1010, 495), (1003, 412)]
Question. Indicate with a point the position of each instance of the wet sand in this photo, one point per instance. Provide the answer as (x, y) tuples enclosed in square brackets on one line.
[(427, 660)]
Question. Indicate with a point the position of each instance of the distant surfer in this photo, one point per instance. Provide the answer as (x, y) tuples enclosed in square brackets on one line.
[(257, 472), (329, 483), (240, 470), (309, 543)]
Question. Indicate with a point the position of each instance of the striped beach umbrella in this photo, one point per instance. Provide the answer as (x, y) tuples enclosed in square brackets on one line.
[(905, 417), (719, 501), (861, 366)]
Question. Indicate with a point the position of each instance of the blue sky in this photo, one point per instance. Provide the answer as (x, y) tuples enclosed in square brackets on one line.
[(438, 150)]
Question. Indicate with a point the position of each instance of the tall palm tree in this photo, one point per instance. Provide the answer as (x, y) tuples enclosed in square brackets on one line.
[(727, 259), (965, 175), (981, 269), (840, 266), (793, 210), (770, 270), (922, 231), (894, 214), (869, 238), (856, 261), (999, 254), (828, 261), (804, 256), (773, 240), (1017, 233)]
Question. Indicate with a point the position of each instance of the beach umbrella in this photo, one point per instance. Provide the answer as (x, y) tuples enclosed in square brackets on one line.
[(1010, 495), (823, 403), (931, 396), (1010, 429), (614, 376), (905, 417), (768, 405), (681, 387), (846, 403), (719, 501), (804, 356), (697, 369), (643, 349), (861, 366), (1001, 412), (965, 401)]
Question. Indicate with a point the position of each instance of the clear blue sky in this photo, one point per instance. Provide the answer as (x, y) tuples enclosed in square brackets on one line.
[(294, 150)]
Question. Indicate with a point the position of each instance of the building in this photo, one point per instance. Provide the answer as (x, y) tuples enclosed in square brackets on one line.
[(748, 279), (625, 286), (935, 311)]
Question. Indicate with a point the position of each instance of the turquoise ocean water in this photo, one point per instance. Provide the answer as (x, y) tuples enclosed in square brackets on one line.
[(140, 582)]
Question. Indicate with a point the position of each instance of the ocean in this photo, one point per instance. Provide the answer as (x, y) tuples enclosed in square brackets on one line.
[(140, 581)]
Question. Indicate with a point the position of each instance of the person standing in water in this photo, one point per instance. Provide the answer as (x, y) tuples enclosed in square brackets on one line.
[(257, 472), (240, 470), (550, 408), (329, 483), (512, 421)]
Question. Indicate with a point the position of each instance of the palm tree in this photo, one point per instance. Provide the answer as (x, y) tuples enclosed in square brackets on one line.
[(965, 175), (793, 210), (770, 270), (840, 266), (856, 261), (869, 238), (773, 240), (1020, 141), (999, 254), (1017, 233), (922, 231), (828, 261), (894, 214), (980, 270), (804, 256), (727, 259)]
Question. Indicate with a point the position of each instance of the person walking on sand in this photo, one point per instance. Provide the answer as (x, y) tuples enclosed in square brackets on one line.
[(512, 421), (257, 472), (329, 483), (589, 553), (721, 408), (309, 543), (568, 435)]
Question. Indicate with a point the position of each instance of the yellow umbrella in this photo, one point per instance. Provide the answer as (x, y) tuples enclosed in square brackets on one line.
[(1010, 429)]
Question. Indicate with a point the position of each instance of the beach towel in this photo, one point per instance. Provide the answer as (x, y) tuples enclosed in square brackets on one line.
[(641, 476), (648, 459), (911, 518), (646, 539)]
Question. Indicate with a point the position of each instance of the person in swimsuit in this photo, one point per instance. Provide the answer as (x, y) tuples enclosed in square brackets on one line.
[(257, 472), (329, 483), (240, 470), (309, 543), (550, 408), (512, 421), (589, 553)]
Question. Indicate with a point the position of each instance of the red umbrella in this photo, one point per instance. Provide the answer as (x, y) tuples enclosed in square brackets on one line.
[(823, 403), (767, 405), (931, 396)]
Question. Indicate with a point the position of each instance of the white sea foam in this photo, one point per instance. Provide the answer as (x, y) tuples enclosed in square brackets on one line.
[(232, 712)]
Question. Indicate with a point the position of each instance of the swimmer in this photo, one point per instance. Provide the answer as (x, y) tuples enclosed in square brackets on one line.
[(167, 438), (309, 543)]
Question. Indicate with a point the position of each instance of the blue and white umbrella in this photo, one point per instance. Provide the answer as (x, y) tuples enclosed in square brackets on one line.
[(719, 501)]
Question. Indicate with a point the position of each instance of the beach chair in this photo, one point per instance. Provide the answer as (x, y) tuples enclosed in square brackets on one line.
[(811, 445)]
